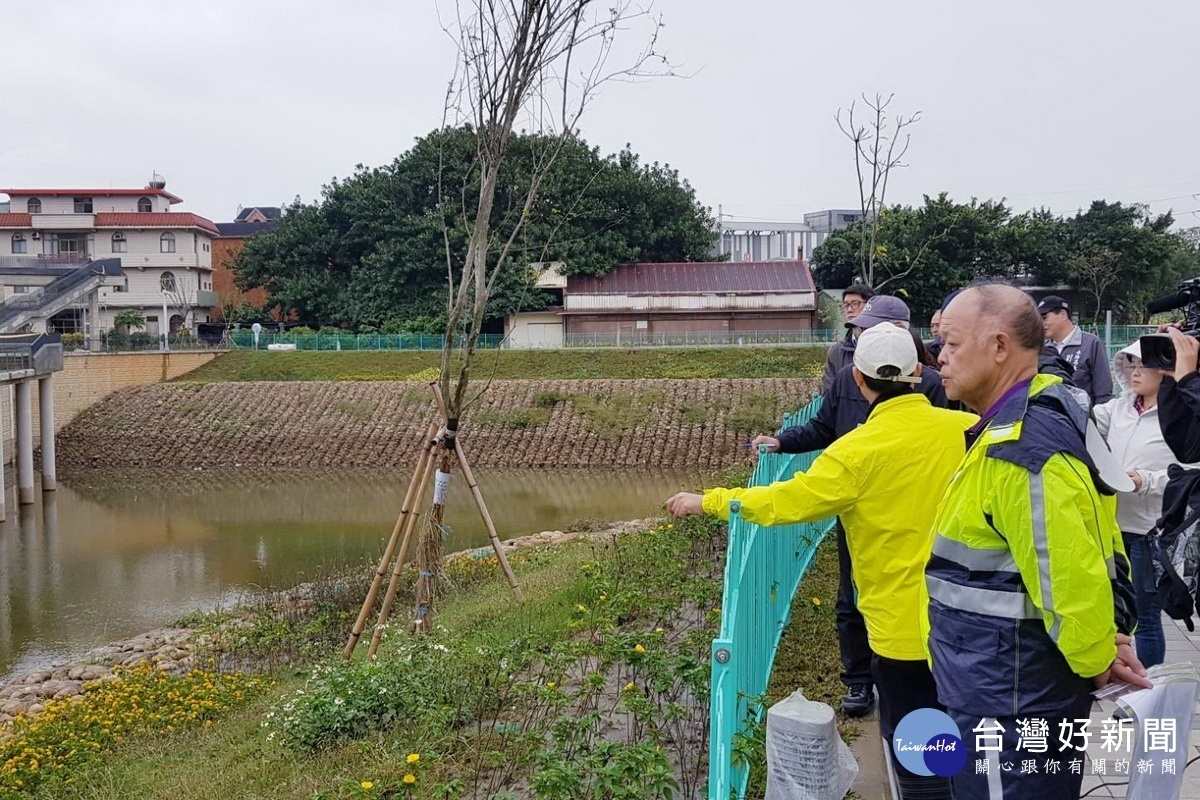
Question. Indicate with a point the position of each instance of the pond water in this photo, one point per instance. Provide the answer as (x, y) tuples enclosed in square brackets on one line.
[(109, 556)]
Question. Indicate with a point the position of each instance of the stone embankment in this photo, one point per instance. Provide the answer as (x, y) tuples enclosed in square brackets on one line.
[(696, 424), (177, 650)]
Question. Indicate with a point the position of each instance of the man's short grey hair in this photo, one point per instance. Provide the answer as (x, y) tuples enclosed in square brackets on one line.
[(1014, 310)]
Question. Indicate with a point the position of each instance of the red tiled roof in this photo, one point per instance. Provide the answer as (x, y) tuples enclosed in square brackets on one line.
[(161, 219), (93, 193), (701, 277)]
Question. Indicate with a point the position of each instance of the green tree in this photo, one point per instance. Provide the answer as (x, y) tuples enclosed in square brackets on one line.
[(373, 249), (928, 251), (1120, 254), (129, 320)]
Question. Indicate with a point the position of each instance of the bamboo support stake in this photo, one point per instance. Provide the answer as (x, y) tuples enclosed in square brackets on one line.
[(487, 521), (479, 503), (394, 583), (409, 496)]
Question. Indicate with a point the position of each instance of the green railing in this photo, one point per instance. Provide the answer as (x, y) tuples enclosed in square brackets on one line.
[(763, 568), (244, 340)]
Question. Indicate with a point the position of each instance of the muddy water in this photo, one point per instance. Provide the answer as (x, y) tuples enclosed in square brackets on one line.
[(109, 556)]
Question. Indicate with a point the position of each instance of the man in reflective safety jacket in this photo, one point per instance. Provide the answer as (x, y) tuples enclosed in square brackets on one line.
[(881, 478), (1029, 597)]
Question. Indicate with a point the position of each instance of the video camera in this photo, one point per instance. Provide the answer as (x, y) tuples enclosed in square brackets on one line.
[(1157, 350)]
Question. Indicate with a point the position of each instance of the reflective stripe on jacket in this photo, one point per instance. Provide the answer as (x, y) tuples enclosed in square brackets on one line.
[(1028, 577), (883, 478)]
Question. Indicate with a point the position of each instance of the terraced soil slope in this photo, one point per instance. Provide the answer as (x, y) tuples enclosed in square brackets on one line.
[(376, 425)]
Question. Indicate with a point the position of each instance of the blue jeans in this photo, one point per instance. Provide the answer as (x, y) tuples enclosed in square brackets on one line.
[(1149, 640)]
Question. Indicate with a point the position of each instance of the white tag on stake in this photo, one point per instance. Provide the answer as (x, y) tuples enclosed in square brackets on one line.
[(441, 485)]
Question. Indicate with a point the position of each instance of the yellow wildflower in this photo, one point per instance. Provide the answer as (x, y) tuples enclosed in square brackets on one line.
[(629, 686), (816, 601), (413, 758), (410, 778), (368, 785), (639, 649)]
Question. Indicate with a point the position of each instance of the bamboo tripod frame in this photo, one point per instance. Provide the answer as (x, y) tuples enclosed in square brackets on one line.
[(406, 522)]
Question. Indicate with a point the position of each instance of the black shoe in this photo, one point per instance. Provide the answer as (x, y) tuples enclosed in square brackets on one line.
[(858, 700)]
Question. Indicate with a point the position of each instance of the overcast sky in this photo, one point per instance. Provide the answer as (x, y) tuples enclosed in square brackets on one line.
[(1043, 103)]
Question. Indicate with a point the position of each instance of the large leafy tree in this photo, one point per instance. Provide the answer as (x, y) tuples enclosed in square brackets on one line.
[(374, 249), (1119, 254), (925, 249)]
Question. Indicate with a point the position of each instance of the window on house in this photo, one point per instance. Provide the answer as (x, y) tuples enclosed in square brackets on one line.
[(83, 205), (166, 243), (20, 290), (144, 205), (119, 244), (19, 245), (34, 206), (166, 281), (121, 287)]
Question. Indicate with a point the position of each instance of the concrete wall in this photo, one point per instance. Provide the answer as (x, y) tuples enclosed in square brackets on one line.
[(87, 379)]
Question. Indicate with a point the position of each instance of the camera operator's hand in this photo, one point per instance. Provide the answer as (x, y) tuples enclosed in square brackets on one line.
[(1187, 353)]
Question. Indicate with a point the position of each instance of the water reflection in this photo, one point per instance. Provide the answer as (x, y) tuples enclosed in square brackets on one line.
[(110, 556)]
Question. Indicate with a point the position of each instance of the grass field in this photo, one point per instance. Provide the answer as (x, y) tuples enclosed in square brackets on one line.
[(729, 362)]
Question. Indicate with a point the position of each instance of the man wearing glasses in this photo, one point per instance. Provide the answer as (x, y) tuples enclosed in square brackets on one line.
[(842, 353)]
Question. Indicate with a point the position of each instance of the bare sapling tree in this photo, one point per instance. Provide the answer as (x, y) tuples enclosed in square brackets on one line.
[(880, 144), (537, 64), (181, 297), (1096, 268)]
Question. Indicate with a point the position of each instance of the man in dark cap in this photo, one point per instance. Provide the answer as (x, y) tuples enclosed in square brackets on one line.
[(1083, 351)]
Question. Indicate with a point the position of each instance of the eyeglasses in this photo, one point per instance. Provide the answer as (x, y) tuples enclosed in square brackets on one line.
[(853, 305)]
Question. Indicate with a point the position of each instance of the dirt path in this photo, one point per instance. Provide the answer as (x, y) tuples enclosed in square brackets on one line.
[(377, 425)]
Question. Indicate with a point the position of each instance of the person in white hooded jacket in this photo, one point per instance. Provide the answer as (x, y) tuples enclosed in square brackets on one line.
[(1129, 423)]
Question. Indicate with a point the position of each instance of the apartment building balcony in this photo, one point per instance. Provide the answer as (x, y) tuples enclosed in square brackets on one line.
[(63, 222)]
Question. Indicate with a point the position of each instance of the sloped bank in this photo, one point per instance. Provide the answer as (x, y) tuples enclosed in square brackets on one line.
[(699, 424)]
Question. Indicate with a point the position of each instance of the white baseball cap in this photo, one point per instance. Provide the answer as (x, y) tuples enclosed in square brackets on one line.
[(889, 350)]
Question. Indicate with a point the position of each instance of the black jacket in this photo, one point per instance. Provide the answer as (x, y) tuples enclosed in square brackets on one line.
[(839, 355), (1179, 415), (843, 408)]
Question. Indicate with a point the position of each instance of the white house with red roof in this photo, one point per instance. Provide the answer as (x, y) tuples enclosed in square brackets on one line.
[(165, 254)]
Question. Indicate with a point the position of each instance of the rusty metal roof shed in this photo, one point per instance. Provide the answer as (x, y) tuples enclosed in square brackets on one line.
[(700, 277)]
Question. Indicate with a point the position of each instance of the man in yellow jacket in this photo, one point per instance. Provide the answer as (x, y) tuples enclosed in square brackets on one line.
[(1028, 593), (883, 478)]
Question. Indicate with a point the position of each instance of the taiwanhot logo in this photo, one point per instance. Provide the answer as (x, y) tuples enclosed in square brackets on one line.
[(928, 742)]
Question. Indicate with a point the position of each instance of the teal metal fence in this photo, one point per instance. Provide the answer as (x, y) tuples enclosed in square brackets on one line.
[(763, 568)]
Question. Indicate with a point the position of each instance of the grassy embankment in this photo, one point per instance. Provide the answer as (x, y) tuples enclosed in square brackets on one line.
[(729, 362), (595, 687)]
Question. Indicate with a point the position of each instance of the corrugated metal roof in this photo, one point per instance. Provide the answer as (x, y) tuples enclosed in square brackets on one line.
[(701, 277)]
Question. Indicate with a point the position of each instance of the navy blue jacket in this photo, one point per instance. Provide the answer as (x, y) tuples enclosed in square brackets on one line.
[(843, 408)]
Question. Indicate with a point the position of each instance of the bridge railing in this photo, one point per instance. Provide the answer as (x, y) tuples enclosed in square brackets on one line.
[(763, 568)]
